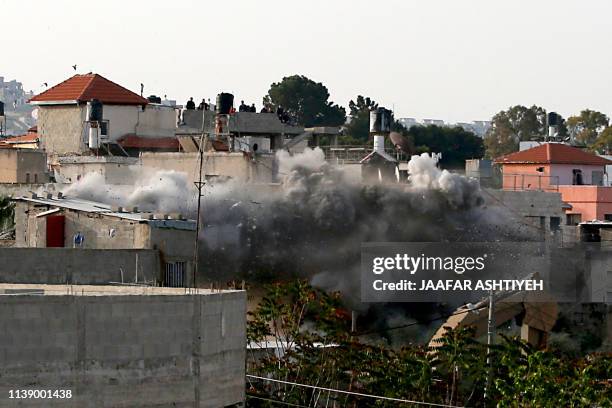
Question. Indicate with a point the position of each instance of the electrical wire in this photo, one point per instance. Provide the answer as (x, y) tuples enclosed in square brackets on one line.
[(358, 394), (289, 404), (423, 322)]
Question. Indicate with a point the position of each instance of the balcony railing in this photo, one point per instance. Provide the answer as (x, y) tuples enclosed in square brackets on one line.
[(518, 182), (354, 153)]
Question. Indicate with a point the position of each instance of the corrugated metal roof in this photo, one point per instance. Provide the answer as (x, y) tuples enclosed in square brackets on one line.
[(77, 204)]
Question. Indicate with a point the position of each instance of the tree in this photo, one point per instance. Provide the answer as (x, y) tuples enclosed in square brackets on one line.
[(306, 101), (313, 346), (455, 143), (603, 143), (587, 126), (509, 127), (359, 111)]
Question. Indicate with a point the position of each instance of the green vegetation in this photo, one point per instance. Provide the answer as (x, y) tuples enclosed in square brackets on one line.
[(305, 318), (306, 101)]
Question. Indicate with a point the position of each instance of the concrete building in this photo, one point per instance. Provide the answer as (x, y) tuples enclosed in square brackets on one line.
[(64, 125), (23, 166), (59, 222), (28, 141), (123, 346), (578, 175)]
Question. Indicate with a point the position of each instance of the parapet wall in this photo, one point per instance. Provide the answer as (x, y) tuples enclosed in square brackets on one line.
[(125, 350), (78, 266)]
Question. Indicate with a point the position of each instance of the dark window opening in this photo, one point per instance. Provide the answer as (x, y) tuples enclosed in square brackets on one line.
[(555, 223), (573, 219), (577, 177)]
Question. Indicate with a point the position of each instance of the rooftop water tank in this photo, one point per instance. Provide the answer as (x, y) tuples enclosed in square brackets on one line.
[(225, 101)]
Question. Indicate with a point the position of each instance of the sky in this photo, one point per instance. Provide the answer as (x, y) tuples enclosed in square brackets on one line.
[(456, 60)]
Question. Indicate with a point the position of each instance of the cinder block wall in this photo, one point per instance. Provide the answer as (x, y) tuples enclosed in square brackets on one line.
[(125, 351), (78, 266)]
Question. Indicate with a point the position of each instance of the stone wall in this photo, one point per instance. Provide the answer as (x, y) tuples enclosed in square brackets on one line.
[(61, 129), (125, 351)]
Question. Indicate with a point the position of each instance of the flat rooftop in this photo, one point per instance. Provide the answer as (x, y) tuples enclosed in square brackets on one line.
[(32, 289)]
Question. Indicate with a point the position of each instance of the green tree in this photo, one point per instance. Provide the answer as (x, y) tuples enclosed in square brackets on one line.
[(359, 112), (603, 143), (455, 143), (305, 100), (509, 127), (587, 126)]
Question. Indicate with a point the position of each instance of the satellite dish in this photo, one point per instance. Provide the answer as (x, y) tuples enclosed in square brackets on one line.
[(400, 142), (35, 114)]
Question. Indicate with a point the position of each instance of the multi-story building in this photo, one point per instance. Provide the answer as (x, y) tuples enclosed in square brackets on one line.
[(579, 176)]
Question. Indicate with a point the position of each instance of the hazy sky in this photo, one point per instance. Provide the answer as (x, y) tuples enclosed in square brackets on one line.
[(455, 60)]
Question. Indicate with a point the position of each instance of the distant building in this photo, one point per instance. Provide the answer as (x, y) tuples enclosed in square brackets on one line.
[(478, 127), (578, 175)]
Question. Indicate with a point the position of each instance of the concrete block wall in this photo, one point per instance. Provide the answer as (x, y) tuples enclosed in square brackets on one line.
[(125, 351), (77, 266)]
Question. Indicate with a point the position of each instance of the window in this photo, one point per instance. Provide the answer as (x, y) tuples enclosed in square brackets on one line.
[(574, 219), (27, 178), (174, 275), (555, 223), (104, 128), (607, 217), (577, 177), (597, 178), (35, 178)]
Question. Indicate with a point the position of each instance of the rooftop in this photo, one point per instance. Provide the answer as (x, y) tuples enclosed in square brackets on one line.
[(553, 153), (77, 204), (83, 88), (27, 289)]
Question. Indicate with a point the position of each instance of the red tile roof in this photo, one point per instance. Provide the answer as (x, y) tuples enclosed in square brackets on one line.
[(15, 141), (82, 88), (133, 141), (553, 153)]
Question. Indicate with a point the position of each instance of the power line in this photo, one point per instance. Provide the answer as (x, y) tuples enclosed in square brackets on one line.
[(421, 322), (358, 394), (275, 401)]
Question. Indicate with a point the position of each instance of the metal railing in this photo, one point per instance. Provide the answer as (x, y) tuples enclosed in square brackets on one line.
[(354, 153), (519, 182)]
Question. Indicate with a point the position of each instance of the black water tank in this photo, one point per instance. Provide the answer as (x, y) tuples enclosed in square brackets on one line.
[(225, 101), (1, 108), (96, 111), (554, 119), (154, 99)]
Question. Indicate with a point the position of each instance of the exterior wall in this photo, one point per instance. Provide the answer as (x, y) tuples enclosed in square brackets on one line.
[(122, 119), (61, 129), (8, 166), (565, 175), (157, 121), (235, 165), (114, 173), (78, 266), (593, 202), (126, 351), (34, 164), (23, 166), (526, 177)]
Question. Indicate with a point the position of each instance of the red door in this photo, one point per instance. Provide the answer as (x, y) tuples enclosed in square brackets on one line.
[(55, 231)]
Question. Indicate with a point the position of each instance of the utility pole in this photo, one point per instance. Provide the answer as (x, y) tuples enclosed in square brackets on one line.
[(199, 184), (490, 339)]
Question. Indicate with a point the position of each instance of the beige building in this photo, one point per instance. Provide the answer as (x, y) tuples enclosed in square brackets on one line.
[(65, 120), (56, 222), (25, 166)]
